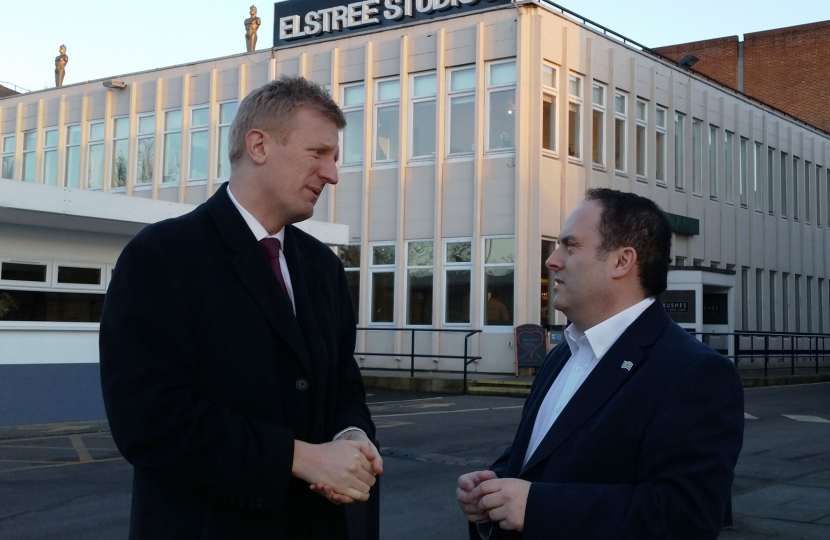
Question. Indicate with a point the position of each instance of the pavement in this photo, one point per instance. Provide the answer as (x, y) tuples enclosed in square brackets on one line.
[(68, 481)]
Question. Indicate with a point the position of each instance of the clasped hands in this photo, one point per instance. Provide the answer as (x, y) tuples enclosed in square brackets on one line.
[(484, 496), (343, 470)]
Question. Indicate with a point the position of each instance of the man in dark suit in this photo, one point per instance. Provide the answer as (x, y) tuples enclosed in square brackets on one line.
[(227, 344), (632, 428)]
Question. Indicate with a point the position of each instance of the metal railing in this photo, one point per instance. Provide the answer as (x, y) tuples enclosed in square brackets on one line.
[(12, 86), (796, 347), (466, 357)]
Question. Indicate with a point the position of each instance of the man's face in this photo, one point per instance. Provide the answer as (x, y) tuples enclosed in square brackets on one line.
[(581, 279), (63, 50), (253, 11), (301, 163)]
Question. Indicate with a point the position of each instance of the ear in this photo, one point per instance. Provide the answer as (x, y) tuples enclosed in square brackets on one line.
[(624, 262), (255, 146)]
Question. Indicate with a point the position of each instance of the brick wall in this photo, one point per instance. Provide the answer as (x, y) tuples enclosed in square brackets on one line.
[(718, 57), (790, 68)]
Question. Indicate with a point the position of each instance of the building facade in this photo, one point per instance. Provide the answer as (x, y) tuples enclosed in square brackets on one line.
[(470, 138)]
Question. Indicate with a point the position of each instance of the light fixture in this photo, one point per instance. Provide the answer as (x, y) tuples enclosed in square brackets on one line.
[(115, 83), (688, 61)]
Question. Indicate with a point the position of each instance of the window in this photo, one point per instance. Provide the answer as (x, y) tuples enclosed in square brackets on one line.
[(498, 281), (697, 156), (809, 303), (501, 106), (72, 170), (382, 284), (352, 99), (458, 271), (598, 125), (807, 168), (660, 125), (227, 112), (772, 301), (744, 298), (783, 184), (575, 116), (619, 131), (419, 260), (172, 166), (424, 90), (796, 163), (713, 162), (642, 123), (95, 156), (24, 272), (350, 257), (679, 151), (785, 304), (759, 299), (818, 196), (199, 143), (680, 261), (758, 177), (50, 157), (7, 156), (387, 120), (462, 97), (743, 172), (550, 96), (120, 152), (797, 301), (728, 162), (80, 276), (145, 150), (820, 305), (48, 306), (29, 147), (770, 180)]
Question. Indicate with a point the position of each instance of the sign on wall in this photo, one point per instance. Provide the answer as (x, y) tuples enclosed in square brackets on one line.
[(530, 346), (680, 305), (310, 20)]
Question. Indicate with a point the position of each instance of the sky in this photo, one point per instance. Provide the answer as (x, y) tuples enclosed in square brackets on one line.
[(108, 38)]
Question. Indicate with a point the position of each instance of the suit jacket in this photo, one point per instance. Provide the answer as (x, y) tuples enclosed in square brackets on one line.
[(642, 454), (208, 377)]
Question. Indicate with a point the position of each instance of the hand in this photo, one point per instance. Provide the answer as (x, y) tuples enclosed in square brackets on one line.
[(467, 483), (372, 455), (340, 465), (504, 500)]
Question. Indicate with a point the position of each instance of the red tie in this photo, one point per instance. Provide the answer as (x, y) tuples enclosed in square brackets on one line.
[(271, 246)]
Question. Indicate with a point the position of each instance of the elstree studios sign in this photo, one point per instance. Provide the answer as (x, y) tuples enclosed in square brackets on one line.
[(310, 20)]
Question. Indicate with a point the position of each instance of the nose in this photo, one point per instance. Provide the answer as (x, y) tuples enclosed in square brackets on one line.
[(328, 172), (555, 262)]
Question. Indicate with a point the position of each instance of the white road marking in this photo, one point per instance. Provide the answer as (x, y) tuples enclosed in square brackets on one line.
[(448, 412), (750, 417), (806, 418), (405, 401), (80, 448), (427, 406)]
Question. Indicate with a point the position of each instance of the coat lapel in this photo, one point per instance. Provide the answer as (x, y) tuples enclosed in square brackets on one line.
[(254, 270), (604, 380)]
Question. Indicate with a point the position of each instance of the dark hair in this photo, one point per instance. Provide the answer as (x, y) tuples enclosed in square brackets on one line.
[(628, 220)]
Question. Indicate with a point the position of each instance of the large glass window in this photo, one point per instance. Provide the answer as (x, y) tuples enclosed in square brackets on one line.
[(145, 150), (575, 116), (199, 143), (7, 157), (770, 180), (419, 261), (796, 164), (458, 270), (807, 169), (382, 274), (679, 151), (713, 162), (462, 121), (424, 90), (661, 143), (387, 120), (620, 115), (29, 148), (350, 257), (758, 177), (818, 196), (227, 112), (784, 203), (729, 165), (95, 156), (72, 169), (501, 106), (550, 96), (50, 157), (697, 156), (642, 124), (743, 172), (353, 98), (47, 306), (120, 152), (598, 124), (499, 266), (172, 166)]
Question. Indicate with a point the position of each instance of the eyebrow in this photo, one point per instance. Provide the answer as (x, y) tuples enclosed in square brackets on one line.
[(568, 239)]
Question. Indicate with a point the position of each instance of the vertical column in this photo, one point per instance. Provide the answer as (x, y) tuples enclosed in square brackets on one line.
[(304, 65), (478, 163), (438, 193), (213, 121), (272, 68), (18, 144), (242, 87), (159, 138), (671, 170), (107, 143), (630, 123), (84, 141), (403, 138), (365, 256), (184, 170), (61, 141), (704, 177), (331, 214), (132, 165), (609, 118), (41, 105), (651, 133)]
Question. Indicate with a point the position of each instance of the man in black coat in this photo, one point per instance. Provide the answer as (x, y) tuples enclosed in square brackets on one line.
[(633, 427), (227, 344)]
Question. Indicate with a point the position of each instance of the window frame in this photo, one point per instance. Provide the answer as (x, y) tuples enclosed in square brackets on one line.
[(357, 165), (758, 175), (621, 117), (483, 286), (489, 90), (407, 268), (641, 126), (89, 145), (553, 93), (415, 100), (139, 137), (697, 157), (579, 102), (190, 131), (219, 125), (729, 167), (114, 139), (378, 269), (663, 130), (796, 162), (6, 155), (57, 264), (24, 153), (771, 180), (47, 149), (712, 147), (385, 104), (807, 213), (27, 285), (782, 166), (446, 266), (354, 269), (66, 150), (452, 94), (679, 151), (818, 195), (600, 109), (164, 134)]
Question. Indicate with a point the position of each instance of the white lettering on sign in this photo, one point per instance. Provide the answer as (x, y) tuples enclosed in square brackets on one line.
[(357, 14)]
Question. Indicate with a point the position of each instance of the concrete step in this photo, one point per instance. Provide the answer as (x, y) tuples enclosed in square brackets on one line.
[(501, 383), (506, 391)]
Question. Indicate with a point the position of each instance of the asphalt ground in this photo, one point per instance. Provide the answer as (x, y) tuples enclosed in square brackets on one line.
[(68, 481)]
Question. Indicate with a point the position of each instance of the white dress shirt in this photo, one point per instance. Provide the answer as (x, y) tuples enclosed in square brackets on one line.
[(260, 233), (587, 349)]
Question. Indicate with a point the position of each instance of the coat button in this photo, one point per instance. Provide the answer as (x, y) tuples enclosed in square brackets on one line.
[(301, 384), (259, 503)]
